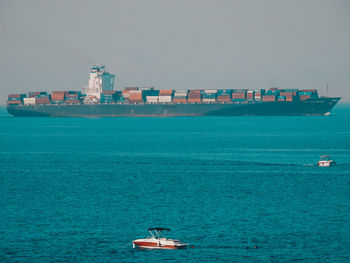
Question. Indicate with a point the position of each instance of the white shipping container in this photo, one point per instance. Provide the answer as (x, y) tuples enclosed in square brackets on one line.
[(164, 98), (211, 91), (29, 101), (152, 98), (180, 94), (135, 91), (209, 100), (250, 91)]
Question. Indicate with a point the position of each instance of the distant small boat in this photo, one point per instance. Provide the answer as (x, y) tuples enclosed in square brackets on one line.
[(156, 240), (326, 161)]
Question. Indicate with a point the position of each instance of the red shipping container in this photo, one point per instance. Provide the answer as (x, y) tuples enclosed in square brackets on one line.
[(238, 95), (14, 96), (194, 100), (269, 98), (309, 90), (73, 102), (59, 92), (165, 91), (14, 102), (180, 100), (224, 98)]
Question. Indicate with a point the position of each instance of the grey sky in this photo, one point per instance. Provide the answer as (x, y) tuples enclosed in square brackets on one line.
[(50, 45)]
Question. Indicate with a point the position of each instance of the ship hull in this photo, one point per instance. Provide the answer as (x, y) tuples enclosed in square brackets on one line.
[(320, 106)]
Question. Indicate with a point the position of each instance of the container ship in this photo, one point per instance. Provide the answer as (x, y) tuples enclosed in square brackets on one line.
[(99, 99)]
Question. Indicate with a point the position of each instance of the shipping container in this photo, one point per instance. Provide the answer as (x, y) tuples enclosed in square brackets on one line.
[(19, 96), (57, 101), (146, 88), (180, 94), (44, 100), (211, 91), (73, 102), (224, 98), (59, 92), (239, 90), (165, 99), (269, 98), (209, 95), (135, 92), (29, 101), (238, 95), (152, 99), (183, 100), (208, 100), (14, 102), (194, 100)]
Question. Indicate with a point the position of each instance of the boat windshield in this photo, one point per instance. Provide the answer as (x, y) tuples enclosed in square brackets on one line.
[(325, 158), (156, 233)]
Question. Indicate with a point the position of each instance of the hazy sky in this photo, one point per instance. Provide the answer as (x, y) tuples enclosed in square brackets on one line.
[(182, 44)]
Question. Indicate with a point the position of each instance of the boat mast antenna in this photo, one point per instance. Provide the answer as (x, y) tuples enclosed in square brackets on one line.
[(327, 88)]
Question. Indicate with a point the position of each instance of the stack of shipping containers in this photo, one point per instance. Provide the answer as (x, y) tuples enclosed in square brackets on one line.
[(288, 95), (224, 96), (180, 96), (41, 98), (165, 95), (258, 95), (58, 97), (194, 96), (209, 95), (306, 94), (151, 95), (126, 92), (239, 95), (29, 101), (135, 96), (270, 95), (108, 97), (73, 97), (15, 99), (250, 95)]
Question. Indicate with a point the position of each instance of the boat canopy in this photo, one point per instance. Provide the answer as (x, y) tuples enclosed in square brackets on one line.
[(159, 229)]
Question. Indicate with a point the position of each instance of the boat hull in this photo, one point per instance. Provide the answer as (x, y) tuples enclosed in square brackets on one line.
[(156, 245), (320, 106), (326, 163)]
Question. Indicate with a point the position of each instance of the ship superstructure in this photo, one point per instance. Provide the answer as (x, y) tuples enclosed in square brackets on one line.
[(100, 81)]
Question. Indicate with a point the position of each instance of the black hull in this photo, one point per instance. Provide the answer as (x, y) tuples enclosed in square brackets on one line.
[(321, 106)]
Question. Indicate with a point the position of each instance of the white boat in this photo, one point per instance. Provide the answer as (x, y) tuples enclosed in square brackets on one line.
[(326, 161), (156, 240)]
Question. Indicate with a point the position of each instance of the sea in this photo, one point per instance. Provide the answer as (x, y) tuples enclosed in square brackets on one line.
[(238, 189)]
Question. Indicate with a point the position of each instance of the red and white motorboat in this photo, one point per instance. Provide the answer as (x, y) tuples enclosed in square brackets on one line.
[(326, 161), (156, 240)]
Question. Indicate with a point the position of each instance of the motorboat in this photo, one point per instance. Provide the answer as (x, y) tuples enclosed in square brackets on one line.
[(326, 161), (157, 240)]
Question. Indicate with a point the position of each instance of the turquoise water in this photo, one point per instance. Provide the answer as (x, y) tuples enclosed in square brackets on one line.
[(80, 190)]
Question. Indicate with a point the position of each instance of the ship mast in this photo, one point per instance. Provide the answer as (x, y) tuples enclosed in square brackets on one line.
[(327, 88)]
